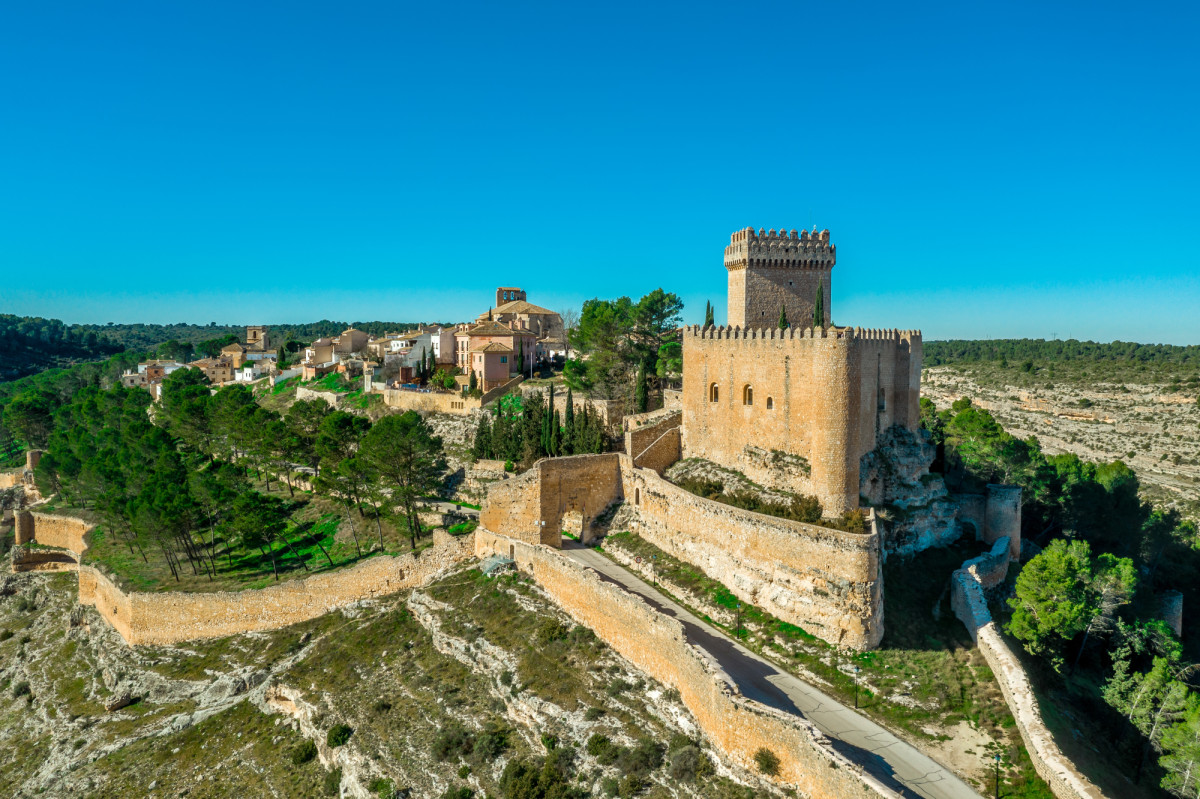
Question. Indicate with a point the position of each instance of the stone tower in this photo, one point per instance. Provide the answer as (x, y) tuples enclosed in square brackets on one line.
[(769, 271)]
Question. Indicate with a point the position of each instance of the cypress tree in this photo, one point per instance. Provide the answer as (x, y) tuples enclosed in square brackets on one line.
[(819, 305), (708, 314), (555, 436), (641, 396), (482, 447), (569, 425), (783, 322), (473, 383)]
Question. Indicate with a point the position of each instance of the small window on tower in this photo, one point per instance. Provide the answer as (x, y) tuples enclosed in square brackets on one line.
[(713, 393), (770, 403), (747, 395)]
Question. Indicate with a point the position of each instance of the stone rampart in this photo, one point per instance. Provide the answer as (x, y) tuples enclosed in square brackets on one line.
[(532, 507), (653, 439), (827, 581), (991, 567), (64, 532), (1003, 519), (25, 558), (331, 398), (970, 606), (171, 617), (657, 644)]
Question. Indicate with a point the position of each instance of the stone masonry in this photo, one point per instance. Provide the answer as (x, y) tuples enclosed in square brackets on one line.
[(769, 271)]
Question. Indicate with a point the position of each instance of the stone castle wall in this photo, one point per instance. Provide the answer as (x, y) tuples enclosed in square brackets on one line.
[(823, 395), (11, 479), (171, 617), (1003, 517), (64, 532), (970, 606), (532, 507), (438, 402), (653, 440), (827, 581), (657, 644)]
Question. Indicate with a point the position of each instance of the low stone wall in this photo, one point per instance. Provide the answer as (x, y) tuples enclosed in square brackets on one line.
[(970, 606), (10, 479), (827, 581), (172, 617), (331, 398), (25, 558), (990, 568), (653, 439), (657, 644)]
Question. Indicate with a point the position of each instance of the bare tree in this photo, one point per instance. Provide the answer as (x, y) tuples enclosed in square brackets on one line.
[(570, 321)]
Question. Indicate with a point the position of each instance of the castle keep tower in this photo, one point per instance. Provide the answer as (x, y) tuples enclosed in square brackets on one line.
[(769, 271), (794, 409)]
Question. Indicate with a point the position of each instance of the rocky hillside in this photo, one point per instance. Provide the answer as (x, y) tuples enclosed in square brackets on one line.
[(1153, 427), (472, 684)]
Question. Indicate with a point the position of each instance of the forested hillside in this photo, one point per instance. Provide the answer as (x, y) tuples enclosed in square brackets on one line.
[(30, 344), (1071, 360), (146, 336)]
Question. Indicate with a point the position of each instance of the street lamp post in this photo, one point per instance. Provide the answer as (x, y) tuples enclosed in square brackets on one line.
[(737, 631), (997, 757), (856, 671), (654, 568)]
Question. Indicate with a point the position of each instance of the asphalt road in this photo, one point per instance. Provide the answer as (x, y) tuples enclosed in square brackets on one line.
[(897, 764)]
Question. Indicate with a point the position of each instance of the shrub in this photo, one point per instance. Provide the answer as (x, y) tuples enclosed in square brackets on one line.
[(333, 782), (549, 741), (641, 759), (5, 635), (464, 771), (461, 792), (382, 706), (303, 753), (490, 743), (21, 689), (338, 735), (767, 762), (551, 631), (609, 786), (631, 785), (452, 741), (688, 763), (383, 787), (593, 713), (597, 744), (617, 687)]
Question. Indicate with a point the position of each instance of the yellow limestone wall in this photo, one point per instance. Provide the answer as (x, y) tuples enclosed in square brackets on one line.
[(656, 644)]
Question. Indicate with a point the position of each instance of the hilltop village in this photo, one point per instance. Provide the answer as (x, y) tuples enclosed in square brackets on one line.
[(725, 525)]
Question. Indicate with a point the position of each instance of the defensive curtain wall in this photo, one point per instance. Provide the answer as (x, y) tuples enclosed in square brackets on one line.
[(970, 606), (171, 617), (797, 409), (657, 644), (827, 581), (437, 402), (994, 515)]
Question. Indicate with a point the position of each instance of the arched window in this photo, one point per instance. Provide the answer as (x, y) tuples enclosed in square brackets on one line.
[(637, 496), (713, 393), (770, 403), (747, 395)]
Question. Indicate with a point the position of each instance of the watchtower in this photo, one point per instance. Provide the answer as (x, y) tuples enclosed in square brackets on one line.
[(258, 338), (769, 271)]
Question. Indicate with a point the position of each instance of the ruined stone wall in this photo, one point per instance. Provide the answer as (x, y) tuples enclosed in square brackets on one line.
[(827, 581), (65, 532), (973, 508), (533, 506), (171, 617), (970, 606), (823, 395), (657, 644), (1004, 517), (330, 398), (10, 479), (653, 439)]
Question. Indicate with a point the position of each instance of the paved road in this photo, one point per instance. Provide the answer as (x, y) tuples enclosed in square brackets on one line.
[(897, 764)]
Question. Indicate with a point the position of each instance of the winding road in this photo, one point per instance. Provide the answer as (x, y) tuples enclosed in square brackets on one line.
[(896, 763)]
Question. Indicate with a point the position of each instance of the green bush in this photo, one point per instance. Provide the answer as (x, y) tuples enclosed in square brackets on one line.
[(461, 792), (631, 785), (688, 763), (452, 741), (338, 735), (598, 744), (303, 753), (464, 771), (593, 713), (5, 635), (333, 782), (490, 744), (382, 787), (609, 786), (21, 689), (641, 759), (552, 631), (767, 761)]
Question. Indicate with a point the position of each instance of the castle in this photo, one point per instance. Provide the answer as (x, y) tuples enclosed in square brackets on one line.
[(793, 408)]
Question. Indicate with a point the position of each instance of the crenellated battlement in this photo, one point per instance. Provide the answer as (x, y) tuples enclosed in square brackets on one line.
[(792, 333), (795, 250)]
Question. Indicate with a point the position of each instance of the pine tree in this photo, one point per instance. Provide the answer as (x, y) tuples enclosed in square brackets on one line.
[(708, 314), (569, 425), (783, 322), (473, 383), (819, 305)]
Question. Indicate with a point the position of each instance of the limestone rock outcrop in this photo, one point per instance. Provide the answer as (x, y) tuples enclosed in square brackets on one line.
[(914, 505)]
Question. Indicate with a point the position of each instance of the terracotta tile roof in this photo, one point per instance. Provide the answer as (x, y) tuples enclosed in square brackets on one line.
[(494, 346), (521, 306)]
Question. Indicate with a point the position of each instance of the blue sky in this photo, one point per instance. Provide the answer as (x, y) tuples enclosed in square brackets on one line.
[(986, 169)]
